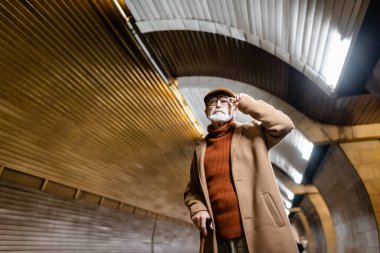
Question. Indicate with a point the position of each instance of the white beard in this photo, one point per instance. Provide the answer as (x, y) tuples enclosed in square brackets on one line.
[(220, 117)]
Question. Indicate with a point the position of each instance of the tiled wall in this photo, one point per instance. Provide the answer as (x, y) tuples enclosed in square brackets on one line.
[(347, 200), (317, 232), (34, 221), (365, 157), (303, 229)]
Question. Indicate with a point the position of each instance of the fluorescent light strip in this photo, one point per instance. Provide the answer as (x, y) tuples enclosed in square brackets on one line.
[(141, 44), (295, 175), (285, 189), (172, 85), (335, 56), (304, 146), (287, 203)]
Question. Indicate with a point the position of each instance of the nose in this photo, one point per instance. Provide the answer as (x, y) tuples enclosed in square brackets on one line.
[(218, 103)]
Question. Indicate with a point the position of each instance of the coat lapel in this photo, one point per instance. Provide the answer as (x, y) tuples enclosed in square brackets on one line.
[(201, 150), (235, 140)]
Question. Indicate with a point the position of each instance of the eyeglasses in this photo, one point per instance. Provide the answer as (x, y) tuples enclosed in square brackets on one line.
[(223, 100)]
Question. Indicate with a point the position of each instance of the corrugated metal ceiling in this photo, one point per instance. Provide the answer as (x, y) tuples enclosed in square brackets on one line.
[(80, 105), (303, 34), (189, 53)]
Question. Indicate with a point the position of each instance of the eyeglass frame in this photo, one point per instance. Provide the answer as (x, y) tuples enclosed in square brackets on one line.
[(229, 99)]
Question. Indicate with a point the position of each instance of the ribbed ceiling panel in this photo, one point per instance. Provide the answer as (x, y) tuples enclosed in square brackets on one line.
[(301, 33), (189, 53), (81, 105), (352, 110)]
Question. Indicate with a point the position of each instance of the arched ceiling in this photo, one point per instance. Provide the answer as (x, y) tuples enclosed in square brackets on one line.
[(312, 36), (285, 48), (188, 53), (82, 105)]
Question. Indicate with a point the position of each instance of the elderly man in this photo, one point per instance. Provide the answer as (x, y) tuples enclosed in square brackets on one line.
[(232, 194)]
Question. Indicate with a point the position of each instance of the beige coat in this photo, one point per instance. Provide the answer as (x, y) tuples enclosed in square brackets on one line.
[(266, 226)]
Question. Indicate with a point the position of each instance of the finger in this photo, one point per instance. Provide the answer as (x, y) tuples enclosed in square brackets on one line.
[(198, 223), (203, 227), (194, 220), (211, 226)]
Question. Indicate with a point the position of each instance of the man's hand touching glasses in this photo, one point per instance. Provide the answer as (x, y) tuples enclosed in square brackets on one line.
[(237, 99)]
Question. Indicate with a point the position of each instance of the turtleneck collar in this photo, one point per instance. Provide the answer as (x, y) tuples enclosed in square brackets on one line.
[(221, 131)]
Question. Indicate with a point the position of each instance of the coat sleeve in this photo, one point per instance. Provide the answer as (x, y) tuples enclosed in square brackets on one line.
[(275, 123), (193, 196)]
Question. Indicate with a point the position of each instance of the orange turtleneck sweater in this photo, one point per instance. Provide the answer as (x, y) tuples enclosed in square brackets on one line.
[(221, 190)]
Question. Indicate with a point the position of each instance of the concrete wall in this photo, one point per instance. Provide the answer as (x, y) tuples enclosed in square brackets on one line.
[(347, 200), (315, 223), (365, 157)]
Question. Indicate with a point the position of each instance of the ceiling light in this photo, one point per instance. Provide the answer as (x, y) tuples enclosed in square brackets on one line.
[(290, 195), (288, 204), (173, 83), (286, 190), (296, 176), (305, 147), (334, 58)]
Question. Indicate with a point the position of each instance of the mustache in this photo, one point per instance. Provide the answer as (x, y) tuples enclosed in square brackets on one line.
[(216, 111)]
